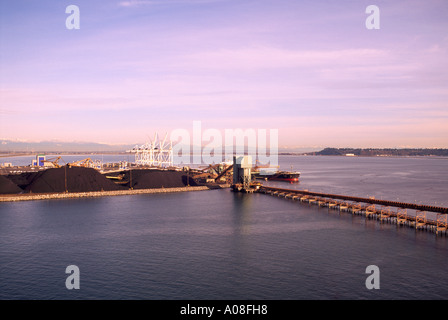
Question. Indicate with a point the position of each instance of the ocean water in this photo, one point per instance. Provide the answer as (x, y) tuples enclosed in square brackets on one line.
[(222, 245)]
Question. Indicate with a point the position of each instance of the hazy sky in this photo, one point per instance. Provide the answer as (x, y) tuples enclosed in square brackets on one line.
[(309, 68)]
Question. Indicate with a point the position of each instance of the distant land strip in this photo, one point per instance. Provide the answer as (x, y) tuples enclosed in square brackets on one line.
[(366, 152), (372, 152)]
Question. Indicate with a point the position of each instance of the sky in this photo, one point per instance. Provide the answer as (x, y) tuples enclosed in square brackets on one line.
[(308, 68)]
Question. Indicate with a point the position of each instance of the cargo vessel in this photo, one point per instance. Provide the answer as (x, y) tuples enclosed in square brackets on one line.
[(289, 176)]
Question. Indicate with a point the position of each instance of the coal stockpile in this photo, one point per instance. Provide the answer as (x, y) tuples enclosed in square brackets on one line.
[(23, 179), (147, 179), (77, 179), (8, 187)]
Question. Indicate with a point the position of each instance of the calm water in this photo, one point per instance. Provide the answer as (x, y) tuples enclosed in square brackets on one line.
[(221, 245)]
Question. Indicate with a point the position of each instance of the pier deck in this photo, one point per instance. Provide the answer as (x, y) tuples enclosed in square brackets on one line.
[(371, 208)]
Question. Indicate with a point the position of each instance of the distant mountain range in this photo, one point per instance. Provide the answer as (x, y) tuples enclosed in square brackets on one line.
[(10, 146)]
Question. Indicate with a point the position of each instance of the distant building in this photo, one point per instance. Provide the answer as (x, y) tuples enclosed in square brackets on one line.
[(349, 154), (40, 160)]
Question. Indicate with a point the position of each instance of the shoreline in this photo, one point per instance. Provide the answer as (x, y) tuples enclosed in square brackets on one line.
[(306, 154), (96, 194)]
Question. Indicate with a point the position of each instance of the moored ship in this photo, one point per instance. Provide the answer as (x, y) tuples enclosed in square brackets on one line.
[(289, 176)]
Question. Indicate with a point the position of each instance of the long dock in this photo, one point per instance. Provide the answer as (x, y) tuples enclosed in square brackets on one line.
[(388, 211)]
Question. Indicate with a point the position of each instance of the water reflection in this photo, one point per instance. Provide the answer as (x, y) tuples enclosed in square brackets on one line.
[(242, 210)]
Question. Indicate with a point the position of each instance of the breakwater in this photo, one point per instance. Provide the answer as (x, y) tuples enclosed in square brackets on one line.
[(92, 194)]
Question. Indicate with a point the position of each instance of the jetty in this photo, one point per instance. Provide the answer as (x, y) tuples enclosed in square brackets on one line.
[(96, 194), (383, 210)]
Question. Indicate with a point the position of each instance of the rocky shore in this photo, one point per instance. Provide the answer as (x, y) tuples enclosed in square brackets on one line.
[(91, 194)]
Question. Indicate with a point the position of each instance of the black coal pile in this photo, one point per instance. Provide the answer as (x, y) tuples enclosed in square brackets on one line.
[(77, 179), (8, 187), (150, 178), (22, 179)]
